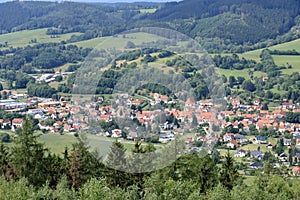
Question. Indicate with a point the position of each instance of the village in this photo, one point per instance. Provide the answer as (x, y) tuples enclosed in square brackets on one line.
[(240, 128)]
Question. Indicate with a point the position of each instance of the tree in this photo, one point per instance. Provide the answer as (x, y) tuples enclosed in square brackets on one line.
[(59, 78), (240, 80), (265, 106), (28, 156), (231, 81), (229, 174), (116, 164), (6, 169), (249, 86), (83, 165)]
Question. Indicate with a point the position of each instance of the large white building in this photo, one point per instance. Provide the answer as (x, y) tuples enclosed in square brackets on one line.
[(11, 104)]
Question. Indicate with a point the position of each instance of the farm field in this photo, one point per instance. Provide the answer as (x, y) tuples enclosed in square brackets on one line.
[(56, 142), (235, 73), (118, 41), (150, 10), (23, 38), (285, 60), (254, 55), (295, 44)]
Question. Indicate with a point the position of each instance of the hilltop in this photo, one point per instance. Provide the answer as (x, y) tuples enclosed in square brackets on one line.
[(217, 25)]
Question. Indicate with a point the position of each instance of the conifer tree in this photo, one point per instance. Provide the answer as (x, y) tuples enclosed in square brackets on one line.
[(28, 155), (229, 174), (6, 168), (83, 165), (116, 166)]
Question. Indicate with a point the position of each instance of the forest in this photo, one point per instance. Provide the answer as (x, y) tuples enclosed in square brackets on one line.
[(212, 23)]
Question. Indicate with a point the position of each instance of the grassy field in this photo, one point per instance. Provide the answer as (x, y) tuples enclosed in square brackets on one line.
[(295, 44), (118, 42), (285, 60), (251, 55), (254, 55), (235, 73), (279, 59), (91, 43), (150, 10), (56, 142), (23, 38)]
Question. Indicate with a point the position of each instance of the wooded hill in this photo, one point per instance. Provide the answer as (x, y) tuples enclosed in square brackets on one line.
[(216, 23)]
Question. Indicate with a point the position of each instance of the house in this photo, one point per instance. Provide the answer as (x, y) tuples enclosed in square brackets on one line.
[(164, 138), (283, 157), (228, 137), (190, 102), (6, 124), (265, 78), (296, 133), (116, 133), (232, 144), (132, 135), (256, 154), (206, 103), (270, 146), (168, 126), (287, 105), (256, 102), (287, 142), (240, 138), (16, 123), (256, 165), (240, 153), (67, 128), (296, 171), (194, 150), (43, 126), (261, 140)]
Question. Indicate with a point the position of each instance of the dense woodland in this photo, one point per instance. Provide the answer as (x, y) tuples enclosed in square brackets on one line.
[(213, 23), (29, 171)]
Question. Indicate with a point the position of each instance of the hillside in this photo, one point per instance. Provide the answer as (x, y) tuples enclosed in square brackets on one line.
[(218, 25), (237, 22)]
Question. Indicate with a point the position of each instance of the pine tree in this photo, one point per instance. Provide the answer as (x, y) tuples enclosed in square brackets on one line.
[(116, 166), (83, 165), (28, 155), (76, 170), (140, 165), (6, 169), (229, 174)]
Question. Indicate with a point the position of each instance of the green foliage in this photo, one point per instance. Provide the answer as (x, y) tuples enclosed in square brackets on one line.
[(233, 62), (292, 117), (42, 56), (229, 174), (40, 90), (248, 86), (28, 155), (116, 161), (83, 165)]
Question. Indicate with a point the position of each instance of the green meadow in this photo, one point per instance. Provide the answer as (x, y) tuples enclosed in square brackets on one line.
[(288, 60), (119, 42), (23, 38), (295, 44), (56, 143), (150, 10)]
